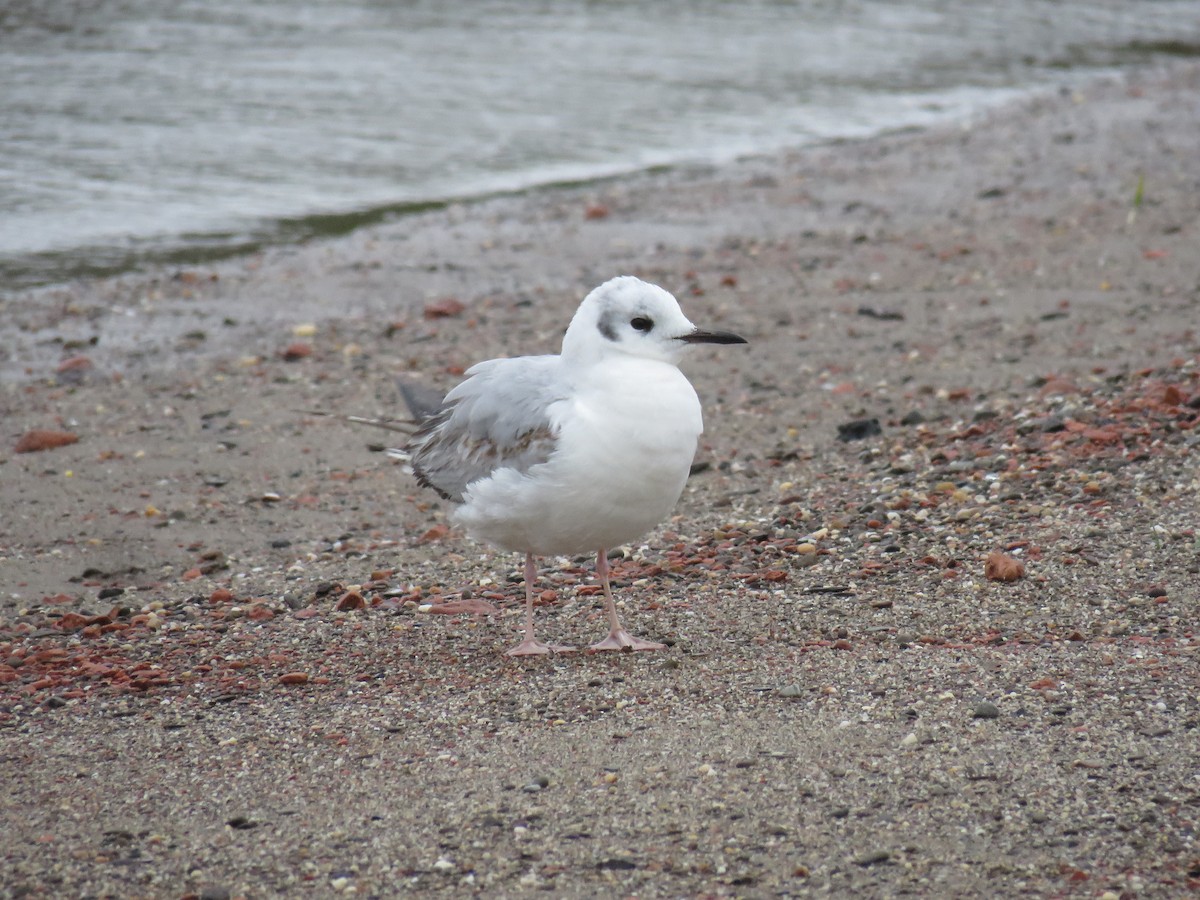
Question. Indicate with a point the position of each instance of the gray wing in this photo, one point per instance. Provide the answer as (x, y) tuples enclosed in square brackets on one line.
[(497, 418)]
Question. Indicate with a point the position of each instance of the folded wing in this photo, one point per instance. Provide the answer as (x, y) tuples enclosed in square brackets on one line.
[(497, 418)]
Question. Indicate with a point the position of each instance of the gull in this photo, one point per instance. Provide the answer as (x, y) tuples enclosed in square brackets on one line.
[(574, 453)]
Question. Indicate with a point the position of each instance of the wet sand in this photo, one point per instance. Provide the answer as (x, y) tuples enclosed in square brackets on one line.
[(216, 678)]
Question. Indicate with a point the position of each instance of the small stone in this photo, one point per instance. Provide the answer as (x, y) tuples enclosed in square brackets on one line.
[(445, 308), (791, 690), (985, 710), (295, 351), (617, 864), (858, 430), (350, 600), (875, 856), (43, 439), (1002, 567), (910, 740)]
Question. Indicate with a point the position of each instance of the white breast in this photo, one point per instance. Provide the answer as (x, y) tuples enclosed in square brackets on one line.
[(626, 439)]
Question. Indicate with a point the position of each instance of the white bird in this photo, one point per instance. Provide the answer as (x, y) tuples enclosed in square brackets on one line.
[(580, 452)]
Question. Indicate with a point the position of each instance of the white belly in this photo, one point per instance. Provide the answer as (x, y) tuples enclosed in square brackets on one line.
[(625, 445)]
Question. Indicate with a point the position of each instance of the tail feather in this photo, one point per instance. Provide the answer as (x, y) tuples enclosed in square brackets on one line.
[(422, 401), (404, 426)]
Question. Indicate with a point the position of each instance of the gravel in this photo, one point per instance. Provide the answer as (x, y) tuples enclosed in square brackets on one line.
[(217, 678)]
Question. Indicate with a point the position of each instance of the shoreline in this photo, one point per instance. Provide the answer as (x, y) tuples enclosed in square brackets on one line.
[(464, 228), (851, 703)]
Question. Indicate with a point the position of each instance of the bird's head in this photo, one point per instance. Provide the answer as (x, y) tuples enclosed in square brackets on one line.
[(627, 315)]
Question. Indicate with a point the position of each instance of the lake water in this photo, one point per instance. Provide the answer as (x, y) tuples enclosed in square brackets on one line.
[(133, 130)]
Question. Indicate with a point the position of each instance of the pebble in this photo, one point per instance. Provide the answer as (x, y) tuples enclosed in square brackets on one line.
[(985, 710), (295, 601), (910, 740), (875, 856), (791, 690), (858, 429)]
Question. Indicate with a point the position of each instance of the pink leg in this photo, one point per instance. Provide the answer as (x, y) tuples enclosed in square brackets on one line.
[(530, 645), (618, 638)]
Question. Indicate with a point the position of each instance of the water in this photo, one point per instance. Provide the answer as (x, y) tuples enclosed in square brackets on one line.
[(135, 130)]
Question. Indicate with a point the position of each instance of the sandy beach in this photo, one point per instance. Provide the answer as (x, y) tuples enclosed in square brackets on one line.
[(930, 598)]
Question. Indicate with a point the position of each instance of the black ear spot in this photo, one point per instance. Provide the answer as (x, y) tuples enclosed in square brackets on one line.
[(605, 327), (641, 323)]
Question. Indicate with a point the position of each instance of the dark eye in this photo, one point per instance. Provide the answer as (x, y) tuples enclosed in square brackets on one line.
[(642, 324)]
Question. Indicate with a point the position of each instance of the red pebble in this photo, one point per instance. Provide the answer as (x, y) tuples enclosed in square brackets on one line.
[(296, 351), (43, 439), (74, 364), (1002, 567), (444, 309), (350, 600)]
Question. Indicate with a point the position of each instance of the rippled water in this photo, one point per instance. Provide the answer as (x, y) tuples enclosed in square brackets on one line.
[(136, 129)]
